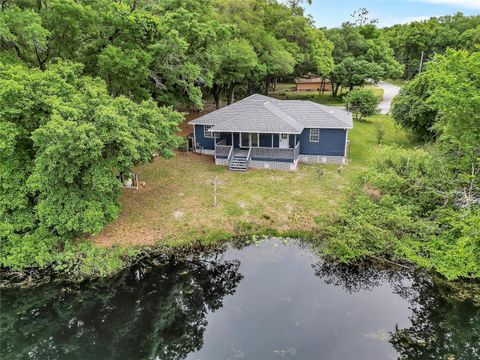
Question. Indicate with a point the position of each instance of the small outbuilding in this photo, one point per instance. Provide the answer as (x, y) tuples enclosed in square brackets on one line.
[(313, 84)]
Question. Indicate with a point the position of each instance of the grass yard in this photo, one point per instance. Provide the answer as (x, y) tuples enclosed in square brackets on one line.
[(398, 82), (176, 208)]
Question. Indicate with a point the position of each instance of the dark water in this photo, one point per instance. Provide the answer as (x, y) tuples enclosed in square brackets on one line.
[(272, 300)]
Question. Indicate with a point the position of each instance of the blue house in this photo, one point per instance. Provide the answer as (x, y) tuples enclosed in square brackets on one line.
[(263, 132)]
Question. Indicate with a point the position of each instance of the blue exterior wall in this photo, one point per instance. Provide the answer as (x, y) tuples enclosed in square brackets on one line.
[(203, 142), (332, 142)]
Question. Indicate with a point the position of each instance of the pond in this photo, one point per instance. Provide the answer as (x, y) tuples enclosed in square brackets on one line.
[(270, 300)]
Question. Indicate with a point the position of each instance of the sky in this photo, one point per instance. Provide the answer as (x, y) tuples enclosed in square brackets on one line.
[(332, 13)]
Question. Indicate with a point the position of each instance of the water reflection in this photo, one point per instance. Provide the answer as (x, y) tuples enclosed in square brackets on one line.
[(445, 322), (158, 314), (279, 309)]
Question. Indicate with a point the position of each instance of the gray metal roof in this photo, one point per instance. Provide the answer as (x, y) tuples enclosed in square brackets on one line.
[(262, 114)]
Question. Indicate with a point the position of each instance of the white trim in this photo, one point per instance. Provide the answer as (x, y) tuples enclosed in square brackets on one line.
[(281, 140), (211, 134), (257, 131), (194, 138), (346, 143), (310, 135)]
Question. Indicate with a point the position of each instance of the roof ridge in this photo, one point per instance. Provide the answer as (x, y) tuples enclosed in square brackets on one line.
[(282, 115)]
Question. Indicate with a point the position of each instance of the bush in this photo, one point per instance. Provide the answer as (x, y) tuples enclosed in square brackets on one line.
[(379, 132), (361, 103), (401, 209)]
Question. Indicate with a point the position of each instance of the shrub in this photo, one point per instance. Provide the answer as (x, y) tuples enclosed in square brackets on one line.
[(361, 103), (379, 132)]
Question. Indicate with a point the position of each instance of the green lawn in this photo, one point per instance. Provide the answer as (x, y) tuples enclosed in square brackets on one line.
[(175, 207), (398, 82)]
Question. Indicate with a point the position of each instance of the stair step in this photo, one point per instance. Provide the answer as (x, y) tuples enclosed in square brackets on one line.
[(237, 169), (238, 162)]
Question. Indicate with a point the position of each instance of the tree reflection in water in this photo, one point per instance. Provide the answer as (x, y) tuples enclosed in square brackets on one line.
[(445, 320), (157, 314)]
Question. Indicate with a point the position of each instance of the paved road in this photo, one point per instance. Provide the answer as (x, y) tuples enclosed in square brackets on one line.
[(389, 92)]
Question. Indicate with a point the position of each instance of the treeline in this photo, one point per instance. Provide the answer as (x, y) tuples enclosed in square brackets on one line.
[(430, 37), (173, 51), (423, 205)]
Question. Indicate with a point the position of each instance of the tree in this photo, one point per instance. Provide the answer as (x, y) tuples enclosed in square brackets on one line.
[(164, 315), (412, 110), (66, 140), (360, 52), (236, 58), (361, 103), (410, 42), (22, 34), (423, 205)]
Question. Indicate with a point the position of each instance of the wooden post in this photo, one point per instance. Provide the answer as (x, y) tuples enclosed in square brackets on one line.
[(215, 191)]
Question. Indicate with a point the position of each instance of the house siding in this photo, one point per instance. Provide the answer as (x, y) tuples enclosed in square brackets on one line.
[(201, 141), (332, 143)]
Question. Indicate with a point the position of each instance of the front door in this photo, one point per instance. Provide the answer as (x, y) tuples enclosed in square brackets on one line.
[(283, 144)]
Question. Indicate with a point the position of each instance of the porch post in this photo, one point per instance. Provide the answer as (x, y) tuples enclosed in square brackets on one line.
[(233, 142), (272, 141)]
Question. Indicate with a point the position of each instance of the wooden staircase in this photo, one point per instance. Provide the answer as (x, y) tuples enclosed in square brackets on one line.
[(239, 160)]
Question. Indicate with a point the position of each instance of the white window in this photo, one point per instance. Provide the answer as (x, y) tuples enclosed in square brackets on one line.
[(314, 135), (209, 134)]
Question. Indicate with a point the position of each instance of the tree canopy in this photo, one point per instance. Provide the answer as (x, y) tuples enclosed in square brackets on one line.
[(423, 205), (360, 52), (64, 142), (432, 36)]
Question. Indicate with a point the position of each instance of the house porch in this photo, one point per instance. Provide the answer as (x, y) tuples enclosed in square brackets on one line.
[(265, 151)]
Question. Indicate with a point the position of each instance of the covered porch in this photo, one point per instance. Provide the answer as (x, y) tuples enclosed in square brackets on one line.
[(256, 150)]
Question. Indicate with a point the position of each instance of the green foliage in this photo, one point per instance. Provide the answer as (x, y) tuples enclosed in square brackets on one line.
[(379, 132), (64, 141), (424, 206), (360, 52), (411, 110), (173, 51), (444, 102), (431, 37), (361, 103), (402, 209)]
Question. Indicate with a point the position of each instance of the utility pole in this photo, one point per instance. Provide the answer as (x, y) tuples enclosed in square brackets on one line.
[(421, 63)]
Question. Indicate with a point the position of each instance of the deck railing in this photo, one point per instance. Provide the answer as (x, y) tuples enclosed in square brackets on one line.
[(222, 149), (276, 153), (249, 156), (225, 151), (296, 151)]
